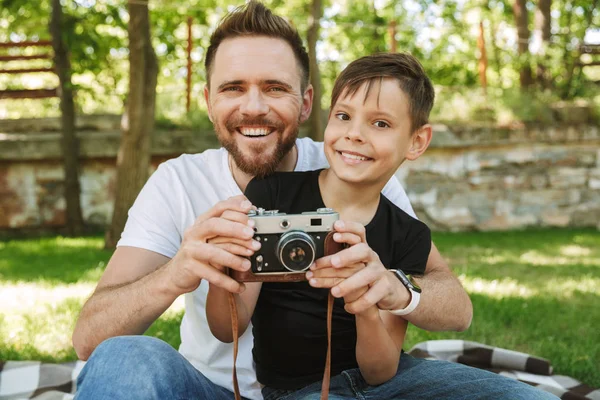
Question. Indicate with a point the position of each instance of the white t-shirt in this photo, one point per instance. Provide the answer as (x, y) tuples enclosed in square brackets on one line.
[(175, 195)]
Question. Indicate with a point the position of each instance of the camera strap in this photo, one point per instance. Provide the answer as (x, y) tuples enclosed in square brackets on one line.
[(330, 247)]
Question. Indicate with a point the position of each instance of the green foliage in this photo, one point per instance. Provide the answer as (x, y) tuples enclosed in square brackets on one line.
[(442, 34)]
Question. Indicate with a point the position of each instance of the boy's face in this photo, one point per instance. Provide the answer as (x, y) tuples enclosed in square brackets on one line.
[(367, 140)]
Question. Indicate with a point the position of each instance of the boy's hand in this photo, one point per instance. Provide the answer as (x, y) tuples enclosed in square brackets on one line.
[(355, 273)]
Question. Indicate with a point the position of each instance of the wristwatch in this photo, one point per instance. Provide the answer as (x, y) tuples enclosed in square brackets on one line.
[(412, 287)]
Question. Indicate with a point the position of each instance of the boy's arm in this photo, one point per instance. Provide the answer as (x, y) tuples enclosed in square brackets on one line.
[(379, 340), (218, 312)]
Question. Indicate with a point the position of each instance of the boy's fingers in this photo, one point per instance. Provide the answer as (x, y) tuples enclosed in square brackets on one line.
[(349, 238), (351, 227)]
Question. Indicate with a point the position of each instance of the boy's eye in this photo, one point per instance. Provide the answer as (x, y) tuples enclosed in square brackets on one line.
[(342, 116), (381, 124)]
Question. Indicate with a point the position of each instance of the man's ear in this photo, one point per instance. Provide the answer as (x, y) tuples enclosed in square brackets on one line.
[(208, 105), (307, 102), (419, 142)]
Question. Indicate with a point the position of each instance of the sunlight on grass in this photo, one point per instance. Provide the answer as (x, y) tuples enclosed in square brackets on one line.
[(535, 257), (575, 251), (532, 291), (496, 288), (33, 297), (510, 287)]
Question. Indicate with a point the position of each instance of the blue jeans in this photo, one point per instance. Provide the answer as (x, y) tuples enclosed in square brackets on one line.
[(142, 367), (418, 378)]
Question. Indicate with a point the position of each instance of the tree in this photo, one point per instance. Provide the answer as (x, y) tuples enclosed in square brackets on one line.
[(316, 122), (133, 160), (522, 23), (543, 20), (69, 142)]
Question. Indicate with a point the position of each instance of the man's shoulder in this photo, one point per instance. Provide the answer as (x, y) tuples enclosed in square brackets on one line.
[(208, 162)]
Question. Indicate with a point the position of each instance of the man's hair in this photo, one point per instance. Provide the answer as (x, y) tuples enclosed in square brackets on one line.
[(401, 66), (254, 19)]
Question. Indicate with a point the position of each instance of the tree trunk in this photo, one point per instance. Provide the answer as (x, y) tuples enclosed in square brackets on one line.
[(69, 142), (543, 21), (522, 23), (316, 120), (133, 160)]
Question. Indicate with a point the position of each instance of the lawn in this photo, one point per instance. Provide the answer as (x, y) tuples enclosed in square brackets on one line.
[(533, 291)]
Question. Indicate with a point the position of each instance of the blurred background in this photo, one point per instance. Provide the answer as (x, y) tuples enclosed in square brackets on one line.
[(510, 184)]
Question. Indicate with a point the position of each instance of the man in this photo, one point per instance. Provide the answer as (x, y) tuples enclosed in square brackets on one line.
[(257, 94)]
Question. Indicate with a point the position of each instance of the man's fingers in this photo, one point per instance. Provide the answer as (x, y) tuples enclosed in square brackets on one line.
[(236, 216), (237, 203), (362, 278), (330, 277), (360, 252), (235, 249), (214, 227), (222, 280), (377, 291), (219, 257), (251, 244)]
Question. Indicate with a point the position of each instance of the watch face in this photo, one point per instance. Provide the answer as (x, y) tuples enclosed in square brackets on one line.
[(407, 281), (414, 284)]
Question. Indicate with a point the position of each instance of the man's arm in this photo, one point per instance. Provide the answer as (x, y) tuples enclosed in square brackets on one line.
[(139, 285), (119, 305), (444, 304)]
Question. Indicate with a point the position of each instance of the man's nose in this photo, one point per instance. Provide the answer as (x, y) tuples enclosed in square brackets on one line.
[(254, 103)]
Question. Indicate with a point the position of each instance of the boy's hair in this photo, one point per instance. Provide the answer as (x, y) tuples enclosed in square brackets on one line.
[(254, 19), (401, 66)]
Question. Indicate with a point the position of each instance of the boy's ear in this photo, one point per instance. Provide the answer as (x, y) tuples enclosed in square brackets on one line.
[(419, 142)]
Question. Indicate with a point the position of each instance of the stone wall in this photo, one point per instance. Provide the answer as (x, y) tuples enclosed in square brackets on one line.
[(473, 178)]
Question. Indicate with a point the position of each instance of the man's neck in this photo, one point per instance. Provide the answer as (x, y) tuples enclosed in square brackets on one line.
[(242, 179), (353, 202)]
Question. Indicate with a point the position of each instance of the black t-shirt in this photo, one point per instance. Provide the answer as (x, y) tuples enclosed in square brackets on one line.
[(290, 333)]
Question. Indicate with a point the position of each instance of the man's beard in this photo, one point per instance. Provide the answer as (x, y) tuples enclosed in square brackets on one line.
[(259, 164)]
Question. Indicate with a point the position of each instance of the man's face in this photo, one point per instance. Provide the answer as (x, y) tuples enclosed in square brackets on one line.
[(255, 101)]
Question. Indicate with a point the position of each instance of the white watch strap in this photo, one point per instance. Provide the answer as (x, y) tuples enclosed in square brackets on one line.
[(415, 297)]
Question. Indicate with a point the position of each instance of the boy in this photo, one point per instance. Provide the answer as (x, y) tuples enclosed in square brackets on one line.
[(378, 118)]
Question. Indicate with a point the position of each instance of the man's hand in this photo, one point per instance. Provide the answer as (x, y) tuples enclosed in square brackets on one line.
[(221, 237), (356, 273)]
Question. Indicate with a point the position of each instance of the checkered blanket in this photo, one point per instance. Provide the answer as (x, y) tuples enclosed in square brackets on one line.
[(44, 381)]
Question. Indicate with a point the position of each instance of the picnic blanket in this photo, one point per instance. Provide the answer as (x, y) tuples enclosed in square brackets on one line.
[(46, 381)]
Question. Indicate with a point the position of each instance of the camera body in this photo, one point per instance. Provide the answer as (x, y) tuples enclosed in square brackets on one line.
[(290, 242)]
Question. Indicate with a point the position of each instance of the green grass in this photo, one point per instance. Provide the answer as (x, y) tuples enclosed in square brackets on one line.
[(532, 291)]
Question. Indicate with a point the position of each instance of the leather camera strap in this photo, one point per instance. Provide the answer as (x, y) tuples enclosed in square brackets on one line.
[(331, 247)]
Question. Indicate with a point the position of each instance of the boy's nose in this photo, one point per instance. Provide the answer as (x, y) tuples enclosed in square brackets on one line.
[(354, 133)]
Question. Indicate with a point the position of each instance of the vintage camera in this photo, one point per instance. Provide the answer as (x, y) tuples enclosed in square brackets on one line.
[(290, 242)]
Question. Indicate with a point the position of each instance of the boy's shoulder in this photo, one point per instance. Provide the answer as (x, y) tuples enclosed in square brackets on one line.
[(399, 217)]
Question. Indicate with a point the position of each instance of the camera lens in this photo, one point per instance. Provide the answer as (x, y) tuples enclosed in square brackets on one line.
[(296, 251)]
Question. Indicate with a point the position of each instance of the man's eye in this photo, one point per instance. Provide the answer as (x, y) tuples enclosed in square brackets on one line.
[(381, 124), (232, 89), (276, 89), (342, 116)]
